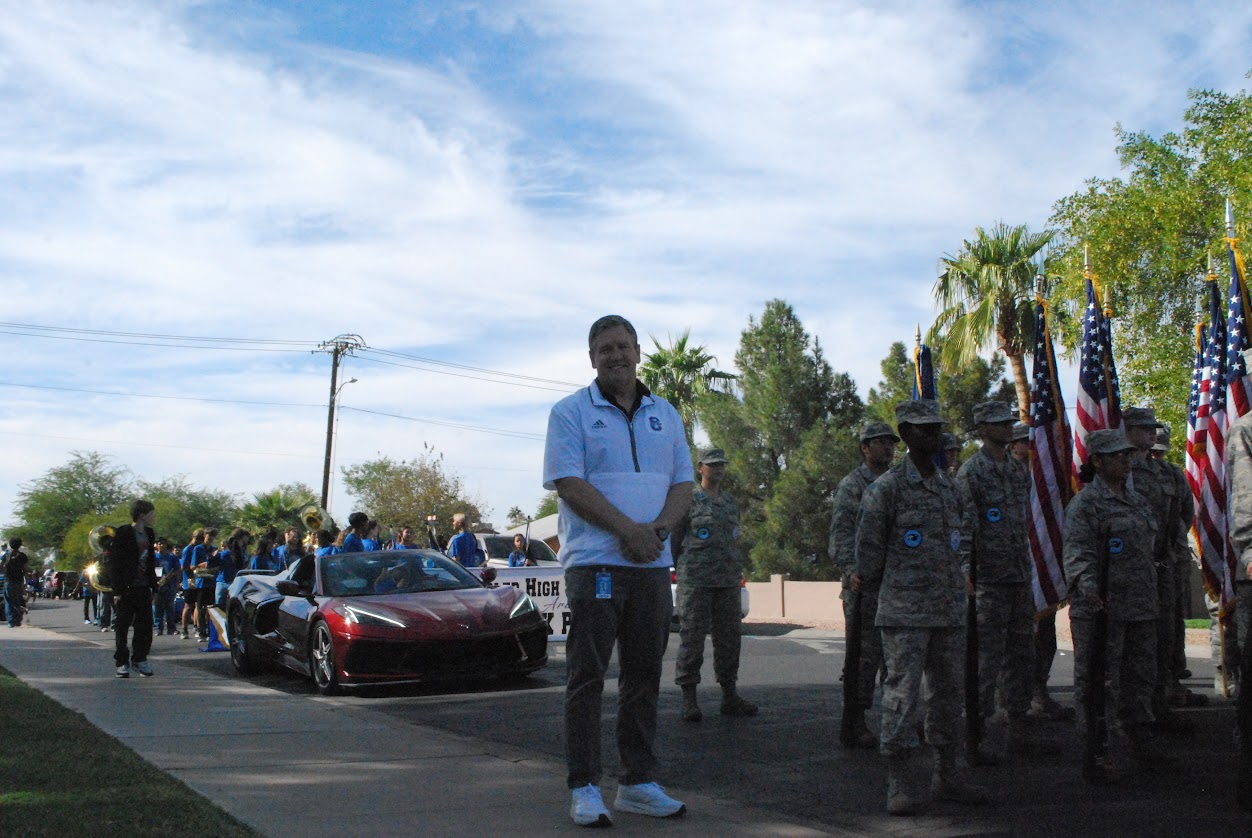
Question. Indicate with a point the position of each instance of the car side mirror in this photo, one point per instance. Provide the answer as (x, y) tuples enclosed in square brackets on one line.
[(288, 588)]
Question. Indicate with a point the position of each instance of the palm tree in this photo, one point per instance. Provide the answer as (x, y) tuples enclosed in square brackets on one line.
[(681, 373), (278, 508), (985, 294)]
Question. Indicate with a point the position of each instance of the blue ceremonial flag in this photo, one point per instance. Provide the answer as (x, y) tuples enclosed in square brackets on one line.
[(923, 373)]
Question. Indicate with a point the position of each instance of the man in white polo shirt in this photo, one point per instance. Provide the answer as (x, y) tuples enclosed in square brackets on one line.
[(618, 459)]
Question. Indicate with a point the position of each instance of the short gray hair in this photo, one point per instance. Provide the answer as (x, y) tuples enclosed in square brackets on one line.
[(607, 322)]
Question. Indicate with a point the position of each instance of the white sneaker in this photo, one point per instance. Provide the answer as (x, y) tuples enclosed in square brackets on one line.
[(648, 799), (587, 808), (123, 671), (145, 669)]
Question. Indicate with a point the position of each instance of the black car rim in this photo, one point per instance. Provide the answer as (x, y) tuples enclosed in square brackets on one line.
[(323, 656)]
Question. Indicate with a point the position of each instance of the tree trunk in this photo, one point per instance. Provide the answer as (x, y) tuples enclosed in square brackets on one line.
[(1017, 362)]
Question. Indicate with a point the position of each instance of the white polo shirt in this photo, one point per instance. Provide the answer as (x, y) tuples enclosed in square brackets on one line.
[(633, 463)]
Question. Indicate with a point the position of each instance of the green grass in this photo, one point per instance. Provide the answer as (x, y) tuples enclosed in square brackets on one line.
[(1201, 623), (62, 776)]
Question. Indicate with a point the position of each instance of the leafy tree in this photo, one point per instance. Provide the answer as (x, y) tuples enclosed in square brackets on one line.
[(960, 388), (405, 491), (49, 505), (1149, 235), (985, 295), (278, 508), (789, 408), (547, 506), (680, 373), (192, 507)]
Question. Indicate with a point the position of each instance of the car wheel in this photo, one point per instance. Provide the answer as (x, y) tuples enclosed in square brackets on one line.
[(322, 660), (240, 655)]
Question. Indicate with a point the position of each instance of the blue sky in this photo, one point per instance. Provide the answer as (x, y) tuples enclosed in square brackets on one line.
[(474, 183)]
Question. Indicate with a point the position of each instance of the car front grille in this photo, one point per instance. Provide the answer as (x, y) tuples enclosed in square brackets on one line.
[(445, 658)]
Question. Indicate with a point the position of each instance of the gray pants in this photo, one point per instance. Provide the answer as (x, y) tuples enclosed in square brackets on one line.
[(705, 610), (1006, 648), (636, 618), (910, 653), (1166, 636), (1129, 672), (871, 647)]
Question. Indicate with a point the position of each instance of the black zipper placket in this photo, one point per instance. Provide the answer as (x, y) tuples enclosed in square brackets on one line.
[(630, 429)]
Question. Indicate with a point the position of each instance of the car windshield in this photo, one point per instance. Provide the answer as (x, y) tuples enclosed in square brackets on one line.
[(500, 546), (392, 572)]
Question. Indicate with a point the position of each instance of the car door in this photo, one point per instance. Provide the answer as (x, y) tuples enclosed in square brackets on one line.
[(295, 616)]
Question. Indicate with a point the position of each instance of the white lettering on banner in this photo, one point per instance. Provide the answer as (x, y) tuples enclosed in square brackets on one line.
[(543, 585)]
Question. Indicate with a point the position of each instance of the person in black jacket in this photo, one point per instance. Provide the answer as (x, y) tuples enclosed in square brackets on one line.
[(133, 574)]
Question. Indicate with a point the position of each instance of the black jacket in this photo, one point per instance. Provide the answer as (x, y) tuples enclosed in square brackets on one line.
[(124, 560)]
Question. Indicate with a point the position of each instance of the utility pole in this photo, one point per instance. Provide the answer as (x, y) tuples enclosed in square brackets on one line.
[(337, 347)]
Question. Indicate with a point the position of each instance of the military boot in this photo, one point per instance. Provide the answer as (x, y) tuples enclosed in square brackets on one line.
[(994, 746), (691, 708), (904, 796), (949, 781), (735, 705)]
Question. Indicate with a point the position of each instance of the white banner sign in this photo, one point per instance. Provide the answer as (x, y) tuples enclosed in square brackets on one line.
[(545, 585)]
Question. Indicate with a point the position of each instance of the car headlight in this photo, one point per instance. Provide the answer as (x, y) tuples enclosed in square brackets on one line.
[(524, 606), (366, 617)]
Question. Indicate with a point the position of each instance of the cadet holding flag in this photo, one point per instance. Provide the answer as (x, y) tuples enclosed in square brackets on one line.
[(995, 490), (860, 602), (908, 544)]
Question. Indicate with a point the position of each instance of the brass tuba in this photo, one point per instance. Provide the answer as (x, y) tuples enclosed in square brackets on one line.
[(313, 516), (100, 540)]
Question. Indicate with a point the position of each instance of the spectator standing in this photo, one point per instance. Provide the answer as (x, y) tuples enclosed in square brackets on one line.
[(464, 545), (710, 571), (16, 566), (205, 562), (133, 577), (618, 459), (518, 557)]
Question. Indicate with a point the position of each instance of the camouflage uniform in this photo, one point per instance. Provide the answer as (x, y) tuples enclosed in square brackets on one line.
[(1239, 472), (847, 507), (908, 548), (995, 495), (1099, 524), (710, 571)]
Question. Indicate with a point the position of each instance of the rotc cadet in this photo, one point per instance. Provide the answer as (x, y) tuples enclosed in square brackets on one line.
[(995, 492), (710, 571), (1170, 505), (1019, 447), (1108, 521), (951, 454), (878, 448), (1239, 471), (908, 543)]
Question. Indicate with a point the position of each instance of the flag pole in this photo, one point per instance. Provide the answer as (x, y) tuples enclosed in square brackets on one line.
[(1211, 276)]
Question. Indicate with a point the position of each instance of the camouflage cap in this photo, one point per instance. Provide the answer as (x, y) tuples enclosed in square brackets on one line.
[(1140, 417), (992, 413), (874, 430), (1021, 432), (1162, 439), (711, 456), (1108, 442), (918, 412), (950, 441)]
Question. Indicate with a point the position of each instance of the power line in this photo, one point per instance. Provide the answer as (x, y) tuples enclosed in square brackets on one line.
[(475, 428), (152, 343), (463, 375), (420, 359), (307, 343), (156, 445), (155, 396)]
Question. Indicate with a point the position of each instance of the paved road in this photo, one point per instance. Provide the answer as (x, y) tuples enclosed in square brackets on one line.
[(776, 774)]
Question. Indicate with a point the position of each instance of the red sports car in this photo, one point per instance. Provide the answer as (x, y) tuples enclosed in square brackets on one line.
[(352, 619)]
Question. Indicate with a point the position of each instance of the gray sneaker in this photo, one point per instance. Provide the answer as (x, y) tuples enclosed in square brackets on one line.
[(587, 807), (123, 671), (648, 799), (145, 668)]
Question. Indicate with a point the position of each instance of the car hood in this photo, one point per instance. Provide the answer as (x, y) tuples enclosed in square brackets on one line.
[(445, 613)]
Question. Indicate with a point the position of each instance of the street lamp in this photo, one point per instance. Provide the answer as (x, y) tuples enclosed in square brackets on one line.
[(330, 440)]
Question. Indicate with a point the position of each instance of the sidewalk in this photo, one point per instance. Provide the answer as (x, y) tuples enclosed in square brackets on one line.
[(309, 766)]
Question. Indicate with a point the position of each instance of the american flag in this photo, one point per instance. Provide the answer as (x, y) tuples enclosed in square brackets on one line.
[(1050, 468), (923, 373), (1211, 424), (1099, 394), (1195, 437), (1238, 385)]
